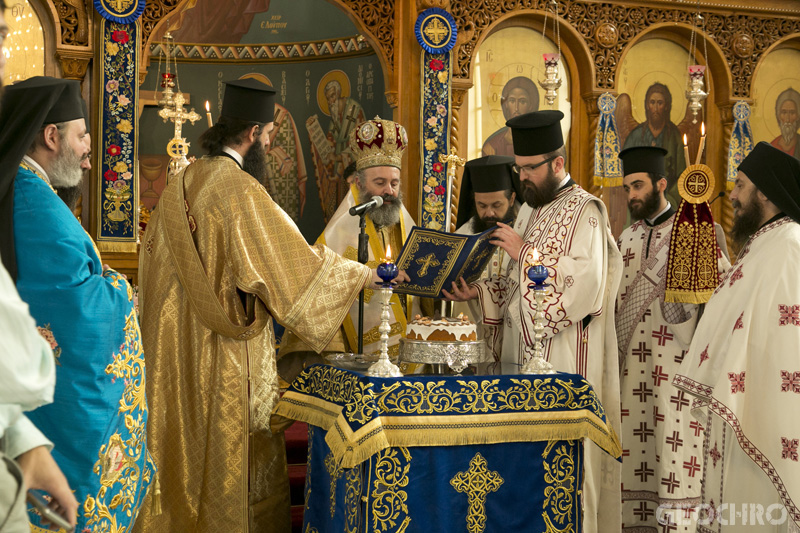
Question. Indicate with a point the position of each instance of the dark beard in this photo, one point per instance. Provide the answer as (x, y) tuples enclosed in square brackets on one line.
[(645, 208), (537, 197), (255, 163), (70, 196), (747, 222), (386, 215), (479, 225)]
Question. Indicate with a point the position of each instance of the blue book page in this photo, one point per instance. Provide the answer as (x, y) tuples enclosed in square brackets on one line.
[(434, 259)]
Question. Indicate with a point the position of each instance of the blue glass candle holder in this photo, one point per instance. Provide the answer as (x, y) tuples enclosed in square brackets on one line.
[(387, 272), (538, 275)]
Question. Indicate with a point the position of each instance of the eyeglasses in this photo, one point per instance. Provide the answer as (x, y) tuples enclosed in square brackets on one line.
[(527, 169)]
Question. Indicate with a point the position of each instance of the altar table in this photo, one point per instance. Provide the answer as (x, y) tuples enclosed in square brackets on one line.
[(444, 453)]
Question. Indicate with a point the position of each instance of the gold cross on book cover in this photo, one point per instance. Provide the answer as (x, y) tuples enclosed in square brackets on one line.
[(434, 259)]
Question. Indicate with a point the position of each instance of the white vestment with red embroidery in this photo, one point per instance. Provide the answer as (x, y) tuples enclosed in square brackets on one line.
[(584, 266), (744, 367), (662, 443)]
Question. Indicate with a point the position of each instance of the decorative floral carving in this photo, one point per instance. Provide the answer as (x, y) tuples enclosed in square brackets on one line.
[(74, 22), (606, 34), (743, 38)]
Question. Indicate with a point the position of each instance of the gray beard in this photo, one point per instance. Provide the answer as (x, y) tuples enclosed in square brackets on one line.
[(788, 132), (66, 169), (386, 215)]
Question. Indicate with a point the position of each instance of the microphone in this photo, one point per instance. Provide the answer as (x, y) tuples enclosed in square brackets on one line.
[(360, 209), (717, 197)]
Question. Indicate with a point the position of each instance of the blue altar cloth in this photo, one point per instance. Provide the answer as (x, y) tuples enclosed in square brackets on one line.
[(444, 453)]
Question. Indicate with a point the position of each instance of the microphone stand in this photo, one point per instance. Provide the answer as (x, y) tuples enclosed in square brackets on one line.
[(363, 256)]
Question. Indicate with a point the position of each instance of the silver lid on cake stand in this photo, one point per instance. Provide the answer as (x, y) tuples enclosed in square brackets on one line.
[(455, 354)]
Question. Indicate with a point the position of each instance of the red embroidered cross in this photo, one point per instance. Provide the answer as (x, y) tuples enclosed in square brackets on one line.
[(662, 335), (643, 472), (643, 432), (642, 352), (670, 482), (737, 381), (657, 417), (643, 512), (790, 315), (736, 276), (703, 355), (679, 358), (643, 392), (789, 448), (791, 381), (659, 375), (692, 466), (697, 427), (679, 400), (675, 441), (715, 455), (629, 255), (739, 322)]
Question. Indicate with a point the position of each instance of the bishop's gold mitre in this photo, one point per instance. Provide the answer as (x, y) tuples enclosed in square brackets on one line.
[(378, 143)]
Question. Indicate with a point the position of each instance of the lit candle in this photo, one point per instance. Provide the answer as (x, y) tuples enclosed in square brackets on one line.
[(387, 270), (208, 114), (537, 272), (686, 150), (702, 142)]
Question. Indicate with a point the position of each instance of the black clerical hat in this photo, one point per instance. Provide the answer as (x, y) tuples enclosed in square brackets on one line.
[(536, 133), (26, 107), (644, 159), (86, 115), (248, 100), (485, 174), (776, 174)]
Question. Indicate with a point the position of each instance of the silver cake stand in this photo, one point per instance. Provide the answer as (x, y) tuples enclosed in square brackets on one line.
[(455, 354)]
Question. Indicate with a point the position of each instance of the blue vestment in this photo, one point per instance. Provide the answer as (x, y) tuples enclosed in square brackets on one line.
[(98, 418)]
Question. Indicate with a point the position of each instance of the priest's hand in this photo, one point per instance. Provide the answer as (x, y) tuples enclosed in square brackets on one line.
[(509, 240), (40, 471), (376, 282), (461, 292)]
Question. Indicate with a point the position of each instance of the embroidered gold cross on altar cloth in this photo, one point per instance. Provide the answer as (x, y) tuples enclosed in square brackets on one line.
[(477, 483)]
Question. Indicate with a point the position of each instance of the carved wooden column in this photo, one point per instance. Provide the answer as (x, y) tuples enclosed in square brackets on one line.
[(459, 92), (726, 220)]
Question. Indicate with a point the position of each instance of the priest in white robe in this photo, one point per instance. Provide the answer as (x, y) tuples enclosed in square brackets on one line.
[(569, 228), (490, 190), (662, 442), (744, 362)]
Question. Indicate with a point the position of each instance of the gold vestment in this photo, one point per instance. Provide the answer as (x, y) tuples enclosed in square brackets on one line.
[(211, 395)]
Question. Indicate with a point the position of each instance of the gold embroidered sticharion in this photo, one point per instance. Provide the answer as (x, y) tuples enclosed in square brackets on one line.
[(477, 483)]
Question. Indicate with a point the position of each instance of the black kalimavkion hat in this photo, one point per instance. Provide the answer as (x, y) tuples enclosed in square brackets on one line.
[(248, 100), (644, 159), (776, 174), (536, 133)]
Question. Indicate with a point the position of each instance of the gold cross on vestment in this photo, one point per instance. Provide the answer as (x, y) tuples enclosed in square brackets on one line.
[(436, 31), (477, 483), (427, 262)]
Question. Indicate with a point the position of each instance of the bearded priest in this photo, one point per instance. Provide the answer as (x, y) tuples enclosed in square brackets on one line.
[(569, 228), (743, 365), (663, 443), (219, 261)]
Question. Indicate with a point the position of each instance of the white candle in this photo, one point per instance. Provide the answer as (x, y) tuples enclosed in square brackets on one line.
[(208, 114)]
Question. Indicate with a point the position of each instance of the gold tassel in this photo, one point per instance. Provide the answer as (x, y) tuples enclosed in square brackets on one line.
[(155, 498)]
